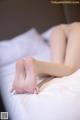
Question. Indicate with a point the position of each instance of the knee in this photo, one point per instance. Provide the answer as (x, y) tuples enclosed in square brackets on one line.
[(57, 30), (75, 26), (60, 27)]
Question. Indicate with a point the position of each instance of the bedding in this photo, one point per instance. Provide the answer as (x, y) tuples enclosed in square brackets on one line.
[(29, 43), (60, 100)]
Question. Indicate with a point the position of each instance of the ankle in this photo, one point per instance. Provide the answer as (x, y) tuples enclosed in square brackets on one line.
[(70, 69)]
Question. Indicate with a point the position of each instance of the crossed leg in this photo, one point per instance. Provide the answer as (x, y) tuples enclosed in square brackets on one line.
[(63, 62)]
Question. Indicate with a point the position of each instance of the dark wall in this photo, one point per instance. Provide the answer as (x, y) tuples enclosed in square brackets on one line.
[(72, 12), (17, 16)]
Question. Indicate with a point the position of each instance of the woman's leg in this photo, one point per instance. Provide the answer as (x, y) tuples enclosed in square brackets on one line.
[(58, 44), (57, 67), (31, 66), (72, 57)]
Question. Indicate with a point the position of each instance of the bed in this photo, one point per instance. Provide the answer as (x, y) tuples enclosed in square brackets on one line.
[(60, 100)]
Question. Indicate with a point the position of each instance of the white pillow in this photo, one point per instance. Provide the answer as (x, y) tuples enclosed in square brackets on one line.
[(28, 44)]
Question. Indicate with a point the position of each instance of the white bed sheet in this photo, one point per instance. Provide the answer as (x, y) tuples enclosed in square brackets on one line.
[(59, 101)]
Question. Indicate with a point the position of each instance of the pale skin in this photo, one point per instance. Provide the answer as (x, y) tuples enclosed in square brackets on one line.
[(65, 48)]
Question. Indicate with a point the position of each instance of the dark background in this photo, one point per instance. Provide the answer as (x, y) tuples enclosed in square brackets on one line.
[(18, 16)]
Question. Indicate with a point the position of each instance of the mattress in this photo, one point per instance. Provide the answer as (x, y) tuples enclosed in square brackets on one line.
[(60, 100)]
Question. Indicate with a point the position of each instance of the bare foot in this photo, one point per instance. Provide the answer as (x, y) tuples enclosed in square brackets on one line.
[(18, 83), (25, 79), (31, 73)]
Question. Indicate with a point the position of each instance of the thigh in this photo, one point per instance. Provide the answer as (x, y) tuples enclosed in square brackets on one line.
[(72, 56), (58, 44)]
